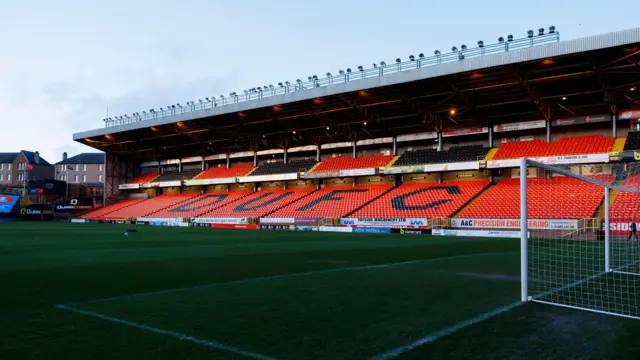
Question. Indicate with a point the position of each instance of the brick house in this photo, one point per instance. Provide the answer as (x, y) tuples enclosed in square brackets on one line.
[(84, 173), (16, 169)]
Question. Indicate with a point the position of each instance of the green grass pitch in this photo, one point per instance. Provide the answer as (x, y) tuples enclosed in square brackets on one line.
[(195, 293)]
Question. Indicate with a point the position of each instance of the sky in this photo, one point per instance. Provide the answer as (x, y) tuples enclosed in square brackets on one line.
[(65, 63)]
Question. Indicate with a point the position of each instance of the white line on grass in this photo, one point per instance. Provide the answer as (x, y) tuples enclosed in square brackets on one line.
[(444, 332), (285, 276), (179, 336)]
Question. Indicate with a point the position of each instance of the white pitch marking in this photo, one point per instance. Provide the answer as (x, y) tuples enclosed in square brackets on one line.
[(173, 334)]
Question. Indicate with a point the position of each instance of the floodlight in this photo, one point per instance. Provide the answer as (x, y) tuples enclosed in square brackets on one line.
[(541, 31), (328, 74), (436, 53), (552, 29), (245, 92), (299, 81), (144, 112), (501, 39), (360, 68), (480, 43), (349, 70), (463, 47), (280, 84), (509, 37), (341, 72), (454, 49), (221, 96), (530, 33), (421, 56), (309, 78), (398, 60), (412, 58), (270, 86), (375, 65), (383, 64), (287, 83), (210, 99)]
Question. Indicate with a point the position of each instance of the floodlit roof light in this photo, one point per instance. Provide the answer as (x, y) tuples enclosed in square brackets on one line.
[(245, 92), (328, 74), (421, 56), (541, 31), (436, 52), (383, 64), (287, 83), (398, 60), (315, 77), (552, 29), (309, 78), (454, 49), (509, 37), (299, 81), (349, 70), (530, 33), (375, 65), (341, 72), (501, 39), (463, 47), (270, 86), (360, 68), (480, 43), (412, 58), (452, 111), (280, 84)]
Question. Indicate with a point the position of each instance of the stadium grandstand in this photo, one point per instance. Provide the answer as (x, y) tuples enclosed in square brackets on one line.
[(399, 144)]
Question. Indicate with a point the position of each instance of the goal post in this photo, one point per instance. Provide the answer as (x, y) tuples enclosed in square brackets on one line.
[(577, 245)]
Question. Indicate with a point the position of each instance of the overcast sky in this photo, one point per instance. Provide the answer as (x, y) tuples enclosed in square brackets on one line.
[(63, 63)]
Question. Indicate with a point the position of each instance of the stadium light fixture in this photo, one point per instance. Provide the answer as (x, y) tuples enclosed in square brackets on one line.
[(412, 58), (270, 86), (509, 38), (454, 49), (530, 33), (383, 64), (328, 128), (329, 75), (480, 43), (348, 70), (633, 88), (178, 105), (564, 98), (552, 29), (364, 123), (173, 107), (500, 39), (152, 110), (541, 31), (436, 53), (341, 72), (398, 60), (452, 111), (144, 112), (287, 83), (294, 132), (310, 78), (463, 47), (421, 56)]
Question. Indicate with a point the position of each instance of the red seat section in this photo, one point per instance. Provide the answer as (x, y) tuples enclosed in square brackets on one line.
[(347, 162), (593, 144), (423, 200), (201, 205), (332, 202), (626, 205), (144, 178), (555, 198), (148, 207), (259, 204), (100, 213), (225, 172)]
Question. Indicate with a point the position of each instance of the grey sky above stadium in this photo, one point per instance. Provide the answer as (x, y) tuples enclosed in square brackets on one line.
[(65, 63)]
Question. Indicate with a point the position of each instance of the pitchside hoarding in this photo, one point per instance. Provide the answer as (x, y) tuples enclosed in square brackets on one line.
[(7, 202), (534, 224), (384, 222)]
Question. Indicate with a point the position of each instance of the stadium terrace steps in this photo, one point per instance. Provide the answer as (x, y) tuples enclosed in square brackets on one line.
[(593, 144), (201, 205), (555, 198), (422, 200), (332, 202), (106, 210), (619, 145), (346, 162), (260, 204), (491, 154)]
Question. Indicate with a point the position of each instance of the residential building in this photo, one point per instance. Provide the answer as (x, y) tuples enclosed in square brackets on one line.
[(84, 173), (16, 169)]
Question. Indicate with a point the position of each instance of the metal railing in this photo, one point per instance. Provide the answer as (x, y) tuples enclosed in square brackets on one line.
[(340, 78)]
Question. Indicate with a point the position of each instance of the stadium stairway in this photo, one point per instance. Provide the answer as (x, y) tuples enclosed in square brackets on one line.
[(491, 154), (393, 161), (618, 145), (315, 166)]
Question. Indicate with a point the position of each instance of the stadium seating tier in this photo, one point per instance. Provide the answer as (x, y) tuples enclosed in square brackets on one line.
[(282, 168), (225, 172), (433, 156), (423, 200), (259, 204), (144, 178), (554, 198), (148, 207), (332, 202), (201, 205), (347, 162), (579, 145)]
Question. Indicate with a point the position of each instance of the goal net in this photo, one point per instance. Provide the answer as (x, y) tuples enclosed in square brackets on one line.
[(577, 241)]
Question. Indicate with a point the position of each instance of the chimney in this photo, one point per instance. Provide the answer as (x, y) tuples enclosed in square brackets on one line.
[(64, 156), (36, 157)]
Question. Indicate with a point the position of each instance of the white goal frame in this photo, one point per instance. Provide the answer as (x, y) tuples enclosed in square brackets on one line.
[(607, 269)]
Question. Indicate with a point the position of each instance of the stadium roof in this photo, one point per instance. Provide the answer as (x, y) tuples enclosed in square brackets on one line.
[(85, 158), (586, 76)]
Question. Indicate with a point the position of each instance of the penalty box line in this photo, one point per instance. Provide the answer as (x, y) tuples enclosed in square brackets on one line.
[(173, 334), (284, 276)]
